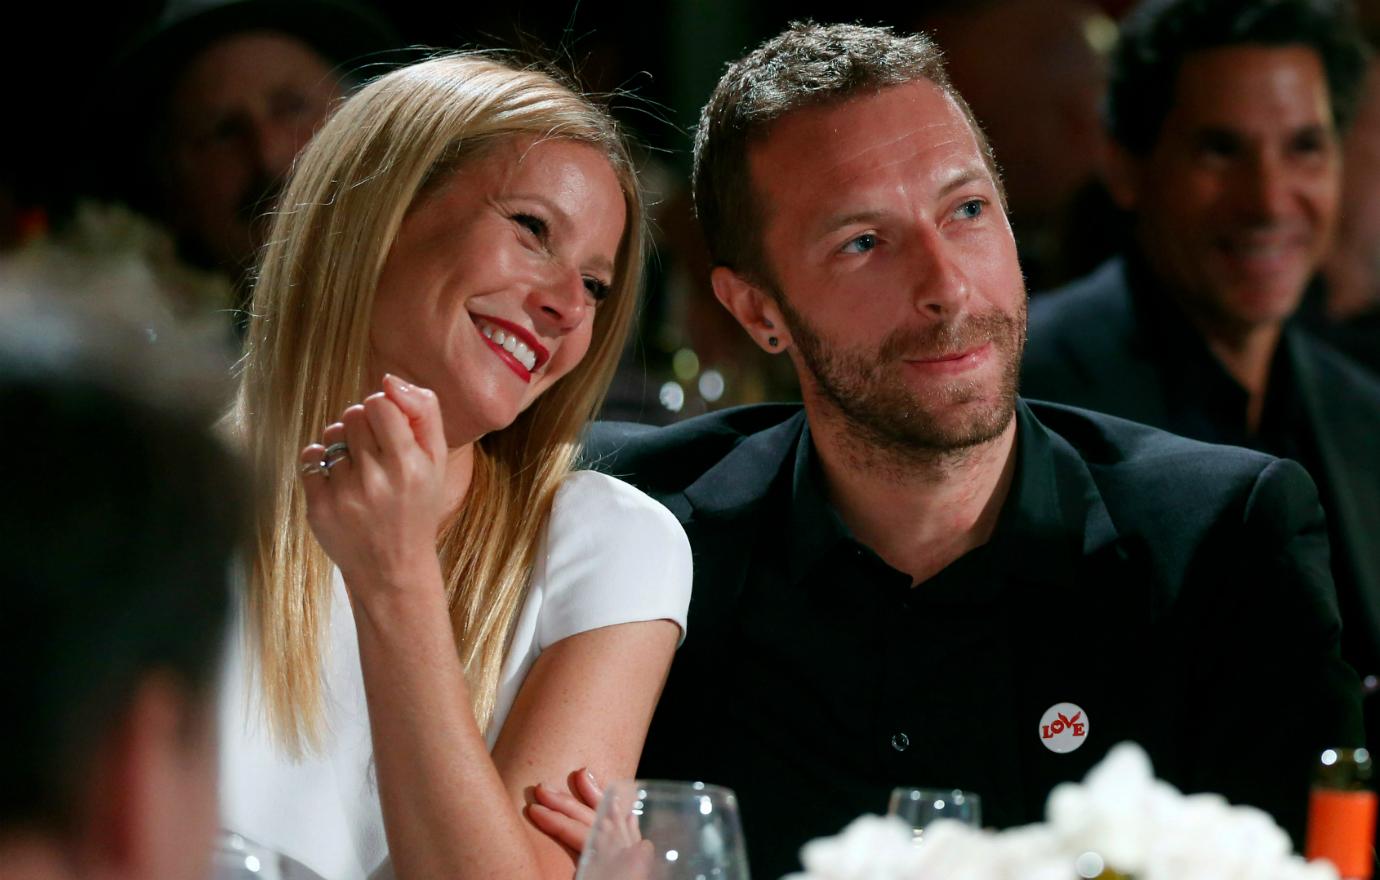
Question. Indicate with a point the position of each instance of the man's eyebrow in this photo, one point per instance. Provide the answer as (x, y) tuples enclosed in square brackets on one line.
[(961, 178), (838, 221)]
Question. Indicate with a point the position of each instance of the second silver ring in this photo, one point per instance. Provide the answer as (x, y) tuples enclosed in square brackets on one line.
[(335, 454)]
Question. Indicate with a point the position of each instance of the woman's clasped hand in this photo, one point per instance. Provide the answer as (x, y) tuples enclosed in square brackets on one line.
[(377, 509)]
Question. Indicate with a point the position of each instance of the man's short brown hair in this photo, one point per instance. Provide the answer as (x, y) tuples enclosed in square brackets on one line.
[(807, 65)]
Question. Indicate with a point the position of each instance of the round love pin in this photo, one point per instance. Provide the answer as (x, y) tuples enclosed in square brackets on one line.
[(1064, 727)]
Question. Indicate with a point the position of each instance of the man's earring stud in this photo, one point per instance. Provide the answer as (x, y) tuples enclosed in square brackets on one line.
[(773, 341)]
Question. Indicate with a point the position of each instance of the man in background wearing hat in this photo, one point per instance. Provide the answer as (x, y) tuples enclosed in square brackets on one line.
[(227, 94)]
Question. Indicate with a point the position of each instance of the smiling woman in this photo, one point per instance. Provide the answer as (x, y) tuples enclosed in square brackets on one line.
[(442, 620)]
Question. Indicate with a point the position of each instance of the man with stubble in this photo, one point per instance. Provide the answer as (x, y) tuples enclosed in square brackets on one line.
[(903, 581)]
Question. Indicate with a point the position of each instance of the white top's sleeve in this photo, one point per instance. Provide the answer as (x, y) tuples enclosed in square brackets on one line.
[(613, 555)]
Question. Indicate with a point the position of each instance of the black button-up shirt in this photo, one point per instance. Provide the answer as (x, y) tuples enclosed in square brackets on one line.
[(852, 681)]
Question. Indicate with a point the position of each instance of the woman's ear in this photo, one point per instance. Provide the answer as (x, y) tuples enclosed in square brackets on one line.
[(753, 307)]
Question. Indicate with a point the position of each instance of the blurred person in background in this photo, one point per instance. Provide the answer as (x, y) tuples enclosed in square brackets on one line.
[(217, 98), (122, 515), (1226, 117), (1347, 310), (1035, 74)]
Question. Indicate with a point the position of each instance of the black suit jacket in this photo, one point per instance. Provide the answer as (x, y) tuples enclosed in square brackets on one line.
[(1178, 591), (1087, 348)]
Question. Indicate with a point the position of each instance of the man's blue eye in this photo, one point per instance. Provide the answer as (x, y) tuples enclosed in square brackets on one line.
[(971, 209), (861, 245)]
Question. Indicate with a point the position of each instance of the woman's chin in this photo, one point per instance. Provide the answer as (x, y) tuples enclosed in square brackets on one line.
[(473, 427)]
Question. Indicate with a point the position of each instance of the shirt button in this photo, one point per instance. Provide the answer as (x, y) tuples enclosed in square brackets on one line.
[(900, 742)]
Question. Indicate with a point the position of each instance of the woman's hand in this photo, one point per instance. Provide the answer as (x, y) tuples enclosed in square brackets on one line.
[(377, 508), (566, 817)]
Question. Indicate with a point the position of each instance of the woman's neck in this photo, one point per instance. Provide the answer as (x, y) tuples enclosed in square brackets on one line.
[(459, 474)]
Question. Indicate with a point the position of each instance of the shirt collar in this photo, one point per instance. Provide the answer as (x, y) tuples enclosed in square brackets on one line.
[(1033, 528), (815, 527)]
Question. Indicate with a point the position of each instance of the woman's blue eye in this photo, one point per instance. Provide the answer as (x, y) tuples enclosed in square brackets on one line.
[(532, 224), (861, 245), (971, 209)]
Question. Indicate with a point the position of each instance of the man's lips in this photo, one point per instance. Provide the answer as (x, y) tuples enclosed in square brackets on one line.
[(1264, 256), (952, 362)]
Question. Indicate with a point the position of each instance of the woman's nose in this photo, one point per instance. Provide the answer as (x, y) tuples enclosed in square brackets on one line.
[(561, 300)]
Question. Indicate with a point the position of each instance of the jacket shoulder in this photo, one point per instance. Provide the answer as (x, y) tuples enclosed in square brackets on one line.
[(670, 458), (1340, 374), (1075, 333), (1101, 297), (1149, 477)]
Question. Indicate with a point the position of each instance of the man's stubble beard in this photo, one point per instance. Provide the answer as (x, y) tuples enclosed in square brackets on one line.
[(883, 417)]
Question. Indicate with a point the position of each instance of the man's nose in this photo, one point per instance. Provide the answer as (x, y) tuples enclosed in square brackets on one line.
[(941, 285), (1266, 187), (275, 144)]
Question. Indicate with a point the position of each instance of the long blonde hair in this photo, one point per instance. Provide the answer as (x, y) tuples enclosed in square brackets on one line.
[(309, 345)]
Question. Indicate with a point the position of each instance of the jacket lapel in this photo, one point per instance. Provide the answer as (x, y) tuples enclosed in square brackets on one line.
[(722, 513), (1076, 607), (1345, 445), (1112, 355)]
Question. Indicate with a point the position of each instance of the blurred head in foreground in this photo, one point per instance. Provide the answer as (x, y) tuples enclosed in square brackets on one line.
[(121, 514)]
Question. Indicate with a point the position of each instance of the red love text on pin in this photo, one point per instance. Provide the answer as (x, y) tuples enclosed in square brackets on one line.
[(1062, 723)]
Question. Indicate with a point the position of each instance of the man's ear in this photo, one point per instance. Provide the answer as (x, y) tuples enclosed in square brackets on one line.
[(1125, 172), (754, 308)]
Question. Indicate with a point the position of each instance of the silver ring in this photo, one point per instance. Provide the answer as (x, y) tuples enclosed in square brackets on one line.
[(315, 468), (334, 455)]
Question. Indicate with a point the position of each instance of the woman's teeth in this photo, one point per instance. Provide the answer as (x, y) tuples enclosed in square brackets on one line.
[(509, 343)]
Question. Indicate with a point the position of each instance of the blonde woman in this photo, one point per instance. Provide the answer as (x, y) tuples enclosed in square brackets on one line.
[(443, 620)]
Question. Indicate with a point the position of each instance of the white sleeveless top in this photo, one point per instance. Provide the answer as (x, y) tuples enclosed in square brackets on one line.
[(611, 555)]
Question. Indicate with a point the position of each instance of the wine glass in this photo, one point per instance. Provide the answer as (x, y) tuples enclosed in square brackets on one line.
[(919, 807), (236, 857), (648, 830), (239, 858)]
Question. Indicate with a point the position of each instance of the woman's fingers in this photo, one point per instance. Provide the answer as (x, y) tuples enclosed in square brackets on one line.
[(313, 472), (562, 816), (358, 434), (565, 803), (586, 786), (568, 832), (423, 413), (390, 426), (632, 834)]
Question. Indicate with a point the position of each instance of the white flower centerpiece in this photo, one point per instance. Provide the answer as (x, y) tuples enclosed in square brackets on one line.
[(1120, 822)]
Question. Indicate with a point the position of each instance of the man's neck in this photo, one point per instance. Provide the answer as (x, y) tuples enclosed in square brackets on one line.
[(918, 511), (1247, 357), (1245, 351)]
